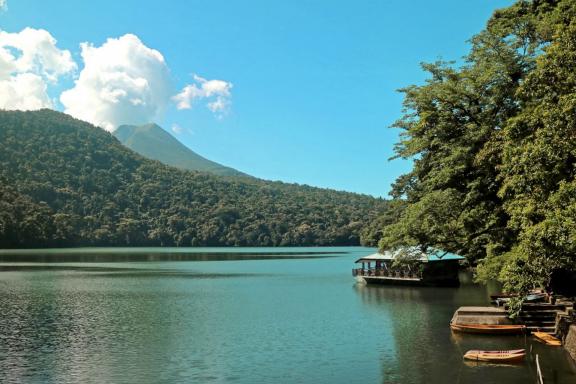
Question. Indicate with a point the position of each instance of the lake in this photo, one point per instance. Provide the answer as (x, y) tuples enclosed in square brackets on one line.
[(238, 315)]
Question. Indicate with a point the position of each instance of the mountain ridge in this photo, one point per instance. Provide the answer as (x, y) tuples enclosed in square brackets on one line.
[(67, 183), (152, 141)]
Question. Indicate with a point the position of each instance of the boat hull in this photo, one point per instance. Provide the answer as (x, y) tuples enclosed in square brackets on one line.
[(511, 351), (415, 282), (489, 329), (495, 356), (382, 280), (547, 339), (502, 296)]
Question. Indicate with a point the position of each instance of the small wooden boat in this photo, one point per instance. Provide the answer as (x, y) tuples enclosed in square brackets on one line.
[(502, 301), (510, 351), (494, 329), (536, 297), (512, 356), (547, 339), (502, 296)]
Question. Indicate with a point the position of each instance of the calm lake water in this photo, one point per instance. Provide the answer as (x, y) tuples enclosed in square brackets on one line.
[(252, 315)]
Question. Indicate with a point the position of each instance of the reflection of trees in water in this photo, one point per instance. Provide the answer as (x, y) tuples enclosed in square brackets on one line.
[(419, 318), (471, 294), (111, 256)]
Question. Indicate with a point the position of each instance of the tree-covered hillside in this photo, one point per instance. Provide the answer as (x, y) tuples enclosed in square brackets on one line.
[(153, 142), (494, 175), (64, 182)]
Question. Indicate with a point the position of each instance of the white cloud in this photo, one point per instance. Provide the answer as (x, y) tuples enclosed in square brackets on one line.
[(3, 5), (25, 91), (29, 62), (123, 82), (177, 129), (216, 90)]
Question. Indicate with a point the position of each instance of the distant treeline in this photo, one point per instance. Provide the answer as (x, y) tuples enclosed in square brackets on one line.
[(493, 141), (64, 182)]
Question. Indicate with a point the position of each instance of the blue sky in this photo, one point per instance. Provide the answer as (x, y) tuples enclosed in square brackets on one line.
[(313, 83)]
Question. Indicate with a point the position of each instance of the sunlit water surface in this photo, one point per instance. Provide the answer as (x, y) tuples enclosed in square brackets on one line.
[(289, 315)]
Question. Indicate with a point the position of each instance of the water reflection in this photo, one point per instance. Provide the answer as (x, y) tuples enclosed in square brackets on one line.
[(155, 254), (429, 352), (94, 271), (170, 322), (247, 321), (78, 330), (418, 326)]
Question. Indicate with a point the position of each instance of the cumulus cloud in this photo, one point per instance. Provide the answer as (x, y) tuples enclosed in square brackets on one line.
[(29, 62), (218, 91), (122, 82), (24, 91)]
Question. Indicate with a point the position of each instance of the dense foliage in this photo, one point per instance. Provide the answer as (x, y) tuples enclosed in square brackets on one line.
[(493, 146), (64, 182)]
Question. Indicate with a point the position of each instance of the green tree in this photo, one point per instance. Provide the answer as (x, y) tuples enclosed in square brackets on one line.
[(492, 146), (69, 183), (538, 169)]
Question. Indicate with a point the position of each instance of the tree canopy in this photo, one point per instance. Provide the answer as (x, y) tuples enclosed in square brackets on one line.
[(64, 182), (493, 149)]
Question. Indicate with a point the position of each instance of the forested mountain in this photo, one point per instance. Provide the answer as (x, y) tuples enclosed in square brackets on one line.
[(492, 139), (153, 142), (64, 182)]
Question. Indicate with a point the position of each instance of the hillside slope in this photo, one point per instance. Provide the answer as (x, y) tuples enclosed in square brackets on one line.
[(155, 143), (65, 182)]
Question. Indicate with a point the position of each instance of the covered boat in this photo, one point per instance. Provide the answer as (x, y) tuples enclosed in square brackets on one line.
[(409, 266), (484, 320), (489, 329)]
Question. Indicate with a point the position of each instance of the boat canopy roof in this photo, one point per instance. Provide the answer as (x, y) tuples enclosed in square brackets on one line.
[(411, 253)]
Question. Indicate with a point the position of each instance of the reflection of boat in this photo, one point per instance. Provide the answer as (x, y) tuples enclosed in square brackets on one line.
[(484, 364), (489, 329), (512, 356), (547, 339)]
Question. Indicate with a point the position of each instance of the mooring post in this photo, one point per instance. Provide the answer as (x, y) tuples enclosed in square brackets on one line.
[(539, 371)]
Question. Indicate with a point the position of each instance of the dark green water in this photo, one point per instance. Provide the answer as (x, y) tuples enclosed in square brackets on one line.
[(252, 316)]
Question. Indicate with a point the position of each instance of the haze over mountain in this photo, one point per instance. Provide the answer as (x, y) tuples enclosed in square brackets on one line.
[(153, 142)]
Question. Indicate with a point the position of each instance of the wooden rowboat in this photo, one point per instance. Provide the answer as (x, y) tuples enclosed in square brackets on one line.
[(502, 296), (547, 338), (534, 297), (489, 329), (510, 351), (513, 356)]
